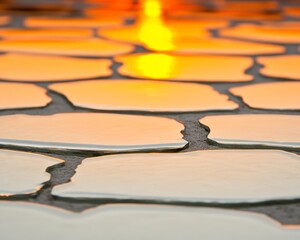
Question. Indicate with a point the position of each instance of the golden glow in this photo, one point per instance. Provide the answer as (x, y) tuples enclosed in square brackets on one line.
[(155, 65), (152, 8), (156, 36), (152, 30), (186, 68)]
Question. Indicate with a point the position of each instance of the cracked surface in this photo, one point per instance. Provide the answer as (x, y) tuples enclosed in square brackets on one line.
[(16, 181), (270, 95), (26, 96), (286, 212)]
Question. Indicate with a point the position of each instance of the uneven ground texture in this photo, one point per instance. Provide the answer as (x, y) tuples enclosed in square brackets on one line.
[(287, 212)]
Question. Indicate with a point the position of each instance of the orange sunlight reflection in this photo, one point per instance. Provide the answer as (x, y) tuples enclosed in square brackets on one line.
[(152, 30), (146, 64)]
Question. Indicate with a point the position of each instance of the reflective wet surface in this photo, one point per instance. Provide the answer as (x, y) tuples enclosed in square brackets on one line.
[(38, 68), (202, 176), (186, 68), (144, 96), (254, 129), (183, 36), (26, 96), (139, 222), (91, 132), (242, 57), (276, 95), (23, 173)]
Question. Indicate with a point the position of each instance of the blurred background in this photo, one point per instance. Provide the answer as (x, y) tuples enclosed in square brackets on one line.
[(76, 6)]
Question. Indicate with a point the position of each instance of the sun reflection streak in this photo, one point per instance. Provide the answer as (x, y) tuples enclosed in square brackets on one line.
[(156, 65), (153, 32)]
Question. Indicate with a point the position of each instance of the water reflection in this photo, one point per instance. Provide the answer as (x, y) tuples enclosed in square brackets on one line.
[(148, 67), (186, 68), (155, 32), (152, 31)]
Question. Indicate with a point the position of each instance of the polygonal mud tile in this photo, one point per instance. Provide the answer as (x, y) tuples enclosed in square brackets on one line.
[(45, 34), (144, 95), (23, 173), (211, 176), (91, 131), (255, 130), (285, 32), (222, 46), (137, 222), (36, 68), (85, 48), (186, 68), (275, 95), (281, 66), (73, 22), (17, 95)]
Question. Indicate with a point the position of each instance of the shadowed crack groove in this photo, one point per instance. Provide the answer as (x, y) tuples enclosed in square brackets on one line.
[(194, 134), (60, 174)]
